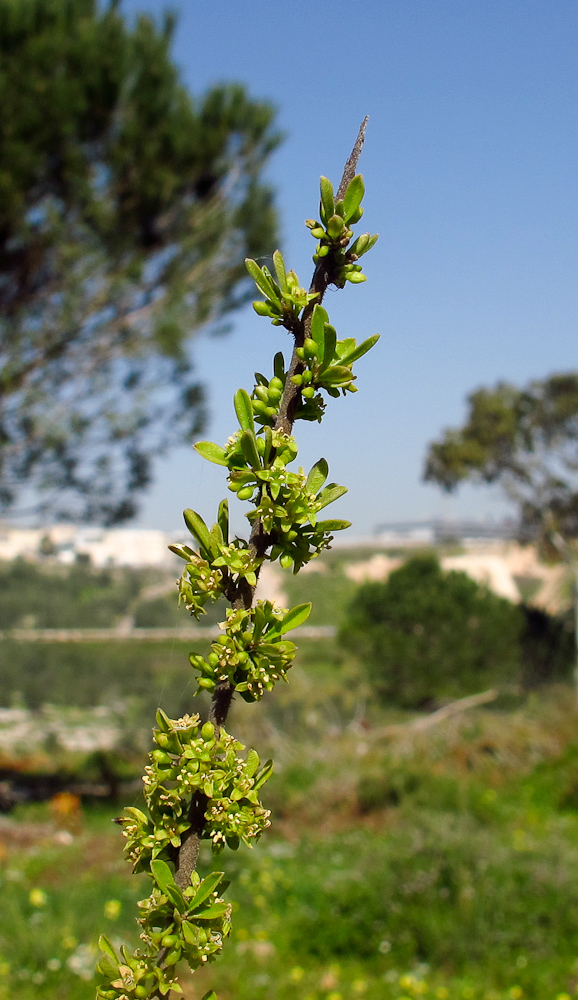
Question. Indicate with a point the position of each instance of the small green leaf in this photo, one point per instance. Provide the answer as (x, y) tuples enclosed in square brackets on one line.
[(163, 721), (329, 494), (223, 519), (217, 534), (252, 762), (333, 525), (337, 375), (212, 452), (249, 449), (244, 410), (197, 527), (279, 365), (327, 200), (262, 281), (106, 947), (190, 932), (206, 888), (162, 875), (319, 318), (263, 775), (211, 995), (212, 912), (317, 476), (136, 814), (280, 271), (268, 446), (294, 618), (107, 967), (329, 342), (182, 551), (353, 196), (359, 351)]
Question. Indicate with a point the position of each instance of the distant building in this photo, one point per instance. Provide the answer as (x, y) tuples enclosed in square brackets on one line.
[(438, 531), (66, 543)]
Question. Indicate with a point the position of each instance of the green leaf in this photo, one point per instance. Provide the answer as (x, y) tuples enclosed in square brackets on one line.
[(206, 888), (268, 446), (244, 410), (190, 932), (223, 519), (329, 342), (197, 528), (329, 494), (263, 775), (333, 525), (136, 814), (162, 875), (359, 351), (212, 452), (211, 995), (280, 271), (164, 878), (279, 365), (319, 318), (327, 200), (337, 375), (262, 281), (353, 196), (217, 535), (317, 476), (294, 618), (163, 721), (270, 650), (182, 551), (106, 947), (252, 762), (249, 449), (212, 912), (107, 967)]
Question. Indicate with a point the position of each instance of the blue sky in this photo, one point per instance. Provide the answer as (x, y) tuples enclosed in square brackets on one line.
[(470, 166)]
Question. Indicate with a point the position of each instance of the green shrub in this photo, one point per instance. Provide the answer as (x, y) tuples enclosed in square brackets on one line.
[(426, 634)]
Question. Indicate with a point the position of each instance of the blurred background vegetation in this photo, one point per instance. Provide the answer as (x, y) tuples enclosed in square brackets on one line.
[(403, 862)]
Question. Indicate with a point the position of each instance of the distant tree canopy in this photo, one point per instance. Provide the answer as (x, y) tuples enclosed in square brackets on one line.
[(127, 208), (425, 634), (527, 441)]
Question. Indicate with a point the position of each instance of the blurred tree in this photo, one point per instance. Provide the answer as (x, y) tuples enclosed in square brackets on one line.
[(526, 440), (426, 634), (126, 211)]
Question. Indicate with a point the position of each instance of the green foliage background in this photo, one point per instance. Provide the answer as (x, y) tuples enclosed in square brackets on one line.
[(425, 634)]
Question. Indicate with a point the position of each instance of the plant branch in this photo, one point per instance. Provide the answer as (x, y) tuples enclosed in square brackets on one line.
[(324, 275)]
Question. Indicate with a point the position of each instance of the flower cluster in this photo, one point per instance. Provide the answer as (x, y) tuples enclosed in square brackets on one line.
[(328, 361), (252, 655), (284, 298), (199, 582), (188, 759), (334, 234), (190, 924)]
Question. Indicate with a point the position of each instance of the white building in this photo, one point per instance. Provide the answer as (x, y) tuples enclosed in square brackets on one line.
[(104, 547)]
